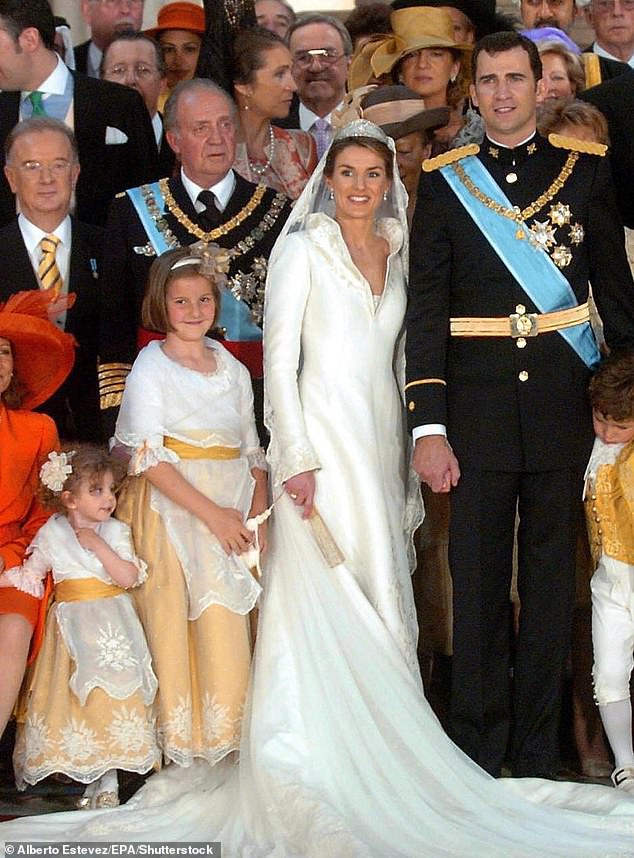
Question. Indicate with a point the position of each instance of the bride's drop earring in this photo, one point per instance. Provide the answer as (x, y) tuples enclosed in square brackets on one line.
[(385, 196), (331, 194)]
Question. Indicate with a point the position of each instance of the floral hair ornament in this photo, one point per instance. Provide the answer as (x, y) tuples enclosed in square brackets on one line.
[(211, 260), (56, 470)]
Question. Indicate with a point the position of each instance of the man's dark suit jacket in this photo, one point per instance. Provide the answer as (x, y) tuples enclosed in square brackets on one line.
[(615, 99), (81, 56), (166, 158), (75, 407), (105, 169)]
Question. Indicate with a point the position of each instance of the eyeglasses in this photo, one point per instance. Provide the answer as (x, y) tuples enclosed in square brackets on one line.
[(327, 56), (34, 169), (605, 6), (141, 71), (110, 4)]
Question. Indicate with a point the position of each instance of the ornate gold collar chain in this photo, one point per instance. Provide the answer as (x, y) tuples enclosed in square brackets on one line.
[(225, 228), (516, 214)]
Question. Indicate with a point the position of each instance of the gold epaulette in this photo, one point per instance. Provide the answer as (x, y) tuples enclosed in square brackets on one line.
[(587, 147), (450, 157), (111, 378)]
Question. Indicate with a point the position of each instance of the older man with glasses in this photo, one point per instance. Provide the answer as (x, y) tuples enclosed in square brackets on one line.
[(321, 49), (106, 19), (135, 60), (613, 23)]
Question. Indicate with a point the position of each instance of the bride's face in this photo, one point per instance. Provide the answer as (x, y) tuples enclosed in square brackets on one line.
[(359, 181)]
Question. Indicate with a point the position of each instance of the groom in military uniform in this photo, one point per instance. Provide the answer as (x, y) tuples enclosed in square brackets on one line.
[(506, 237), (206, 202)]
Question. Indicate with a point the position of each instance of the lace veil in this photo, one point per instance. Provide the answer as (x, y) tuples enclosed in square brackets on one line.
[(316, 195)]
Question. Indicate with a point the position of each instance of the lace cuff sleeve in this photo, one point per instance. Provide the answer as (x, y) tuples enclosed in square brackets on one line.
[(257, 459), (146, 455), (294, 460), (27, 580)]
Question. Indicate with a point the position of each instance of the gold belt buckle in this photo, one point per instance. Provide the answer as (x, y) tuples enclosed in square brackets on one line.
[(524, 324)]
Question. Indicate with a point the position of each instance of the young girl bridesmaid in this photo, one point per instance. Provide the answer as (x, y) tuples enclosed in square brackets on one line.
[(187, 422), (89, 698)]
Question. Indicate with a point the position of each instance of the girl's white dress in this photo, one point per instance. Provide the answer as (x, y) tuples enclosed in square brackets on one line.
[(341, 754), (88, 704), (196, 602)]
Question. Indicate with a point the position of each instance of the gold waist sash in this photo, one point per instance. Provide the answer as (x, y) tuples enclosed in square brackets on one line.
[(519, 325), (84, 589), (188, 451)]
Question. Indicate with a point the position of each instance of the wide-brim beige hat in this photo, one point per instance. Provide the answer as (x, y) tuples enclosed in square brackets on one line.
[(414, 29)]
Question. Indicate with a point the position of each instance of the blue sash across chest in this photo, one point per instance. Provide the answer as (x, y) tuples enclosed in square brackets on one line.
[(531, 266)]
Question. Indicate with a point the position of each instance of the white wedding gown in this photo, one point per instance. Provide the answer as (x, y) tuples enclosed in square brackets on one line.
[(342, 756)]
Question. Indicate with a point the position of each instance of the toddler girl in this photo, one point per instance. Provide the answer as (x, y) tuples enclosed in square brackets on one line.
[(89, 697)]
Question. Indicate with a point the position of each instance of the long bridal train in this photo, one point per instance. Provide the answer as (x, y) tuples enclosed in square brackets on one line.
[(343, 757)]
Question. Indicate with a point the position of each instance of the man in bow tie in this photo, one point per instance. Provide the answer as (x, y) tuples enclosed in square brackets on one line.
[(506, 237)]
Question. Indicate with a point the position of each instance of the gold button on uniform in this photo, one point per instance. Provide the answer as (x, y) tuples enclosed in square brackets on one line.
[(411, 406), (523, 376), (520, 342)]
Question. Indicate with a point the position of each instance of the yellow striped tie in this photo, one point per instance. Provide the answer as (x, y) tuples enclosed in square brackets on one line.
[(48, 272)]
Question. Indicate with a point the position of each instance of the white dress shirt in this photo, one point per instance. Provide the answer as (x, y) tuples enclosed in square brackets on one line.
[(55, 84), (222, 190), (597, 49)]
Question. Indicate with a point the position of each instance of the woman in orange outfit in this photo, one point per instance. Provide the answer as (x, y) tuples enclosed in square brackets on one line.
[(35, 358)]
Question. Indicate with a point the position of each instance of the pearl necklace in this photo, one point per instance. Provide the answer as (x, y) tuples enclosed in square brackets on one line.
[(260, 169)]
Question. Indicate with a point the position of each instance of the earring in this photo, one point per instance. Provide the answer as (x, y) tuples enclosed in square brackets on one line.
[(453, 78), (331, 194), (385, 196), (245, 107)]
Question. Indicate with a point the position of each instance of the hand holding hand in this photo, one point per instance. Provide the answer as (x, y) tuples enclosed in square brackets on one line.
[(227, 526), (435, 463), (301, 489)]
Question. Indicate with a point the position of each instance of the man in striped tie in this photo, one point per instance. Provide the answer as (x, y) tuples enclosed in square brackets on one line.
[(51, 251)]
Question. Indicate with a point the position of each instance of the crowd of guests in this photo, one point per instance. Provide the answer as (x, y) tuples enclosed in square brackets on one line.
[(124, 169)]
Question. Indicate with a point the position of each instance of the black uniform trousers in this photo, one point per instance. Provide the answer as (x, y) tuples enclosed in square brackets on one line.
[(492, 692)]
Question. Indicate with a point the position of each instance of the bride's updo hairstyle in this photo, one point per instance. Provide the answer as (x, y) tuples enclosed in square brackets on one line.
[(339, 145), (207, 260)]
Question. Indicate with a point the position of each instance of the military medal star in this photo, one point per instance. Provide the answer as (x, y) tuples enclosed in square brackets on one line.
[(561, 256), (542, 234), (576, 233), (560, 214)]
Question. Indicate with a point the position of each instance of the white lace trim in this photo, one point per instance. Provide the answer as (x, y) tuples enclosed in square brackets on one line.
[(26, 580), (147, 455)]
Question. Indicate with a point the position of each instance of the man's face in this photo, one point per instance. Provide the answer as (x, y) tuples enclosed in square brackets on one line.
[(613, 22), (319, 78), (548, 13), (133, 63), (273, 16), (205, 136), (506, 93), (108, 18), (42, 174)]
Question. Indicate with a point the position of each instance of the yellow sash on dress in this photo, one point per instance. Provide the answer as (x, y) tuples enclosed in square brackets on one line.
[(84, 589), (188, 451)]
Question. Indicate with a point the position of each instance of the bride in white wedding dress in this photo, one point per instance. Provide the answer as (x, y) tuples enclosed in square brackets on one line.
[(341, 754)]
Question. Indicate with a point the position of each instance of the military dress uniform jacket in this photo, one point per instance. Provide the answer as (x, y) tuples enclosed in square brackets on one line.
[(511, 404), (129, 257), (106, 168), (75, 407)]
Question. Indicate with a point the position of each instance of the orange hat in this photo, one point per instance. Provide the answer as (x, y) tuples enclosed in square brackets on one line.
[(43, 355), (179, 16)]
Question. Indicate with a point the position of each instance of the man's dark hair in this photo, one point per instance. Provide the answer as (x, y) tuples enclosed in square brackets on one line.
[(499, 43), (132, 36), (18, 15)]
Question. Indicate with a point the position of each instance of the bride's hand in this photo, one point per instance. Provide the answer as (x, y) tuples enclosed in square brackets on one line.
[(301, 489)]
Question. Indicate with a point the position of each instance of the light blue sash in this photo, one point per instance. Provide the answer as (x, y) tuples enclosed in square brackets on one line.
[(235, 316), (531, 266)]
